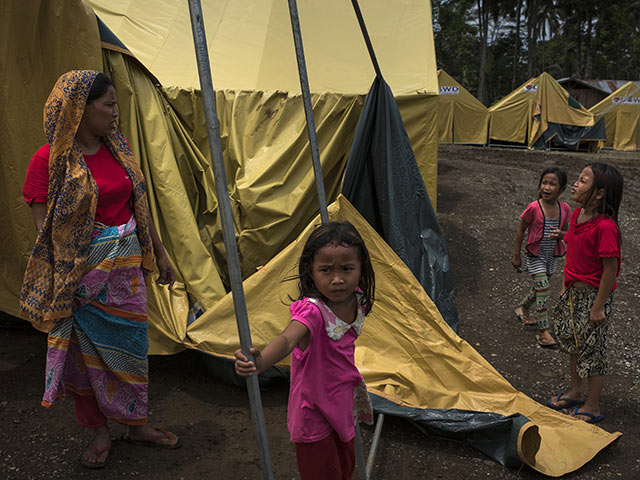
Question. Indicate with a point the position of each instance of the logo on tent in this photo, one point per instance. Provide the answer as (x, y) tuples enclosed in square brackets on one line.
[(531, 88), (449, 90), (626, 100)]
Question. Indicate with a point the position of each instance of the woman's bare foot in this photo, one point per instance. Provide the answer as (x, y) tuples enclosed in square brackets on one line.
[(149, 436), (97, 452)]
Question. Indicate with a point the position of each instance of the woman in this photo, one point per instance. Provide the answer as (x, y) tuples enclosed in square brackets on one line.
[(85, 280)]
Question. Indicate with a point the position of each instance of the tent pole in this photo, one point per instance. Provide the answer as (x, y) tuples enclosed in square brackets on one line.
[(367, 40), (365, 472), (317, 168), (360, 462), (374, 444), (308, 110), (226, 219)]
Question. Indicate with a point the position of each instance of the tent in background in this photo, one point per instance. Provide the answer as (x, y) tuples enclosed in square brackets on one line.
[(541, 114), (37, 46), (462, 118), (621, 113)]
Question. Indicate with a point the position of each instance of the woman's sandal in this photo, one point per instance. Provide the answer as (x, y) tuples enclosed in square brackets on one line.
[(552, 344), (98, 451), (154, 443)]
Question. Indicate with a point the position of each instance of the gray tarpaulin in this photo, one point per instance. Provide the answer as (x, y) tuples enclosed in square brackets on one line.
[(493, 434), (383, 182), (570, 136)]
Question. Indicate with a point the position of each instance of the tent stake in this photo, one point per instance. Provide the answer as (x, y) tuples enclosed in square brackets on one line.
[(308, 111), (226, 219)]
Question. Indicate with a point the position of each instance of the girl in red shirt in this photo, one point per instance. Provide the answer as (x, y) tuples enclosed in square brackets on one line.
[(583, 312)]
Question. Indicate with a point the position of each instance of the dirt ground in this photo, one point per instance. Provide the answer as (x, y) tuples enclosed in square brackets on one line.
[(481, 193)]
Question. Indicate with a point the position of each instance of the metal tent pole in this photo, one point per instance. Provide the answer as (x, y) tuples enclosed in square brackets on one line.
[(367, 40), (360, 461), (366, 473), (317, 168), (226, 219), (308, 111), (374, 444)]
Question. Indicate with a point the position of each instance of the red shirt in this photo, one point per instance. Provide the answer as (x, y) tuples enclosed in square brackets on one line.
[(114, 186), (587, 244)]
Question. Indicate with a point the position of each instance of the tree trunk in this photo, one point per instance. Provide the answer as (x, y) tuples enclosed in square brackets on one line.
[(579, 66), (483, 18), (588, 57), (516, 48), (532, 41)]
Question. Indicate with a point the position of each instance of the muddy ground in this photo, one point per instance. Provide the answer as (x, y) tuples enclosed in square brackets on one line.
[(481, 193)]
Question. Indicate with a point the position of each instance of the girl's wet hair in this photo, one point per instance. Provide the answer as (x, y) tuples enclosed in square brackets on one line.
[(338, 234), (559, 173), (99, 87), (608, 178)]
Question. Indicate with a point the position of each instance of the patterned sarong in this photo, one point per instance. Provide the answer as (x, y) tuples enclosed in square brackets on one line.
[(102, 349), (576, 335)]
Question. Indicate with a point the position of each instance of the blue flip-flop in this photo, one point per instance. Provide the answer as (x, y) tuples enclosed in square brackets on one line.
[(568, 402), (592, 417)]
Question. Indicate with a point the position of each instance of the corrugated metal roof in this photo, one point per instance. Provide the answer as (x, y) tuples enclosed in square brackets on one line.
[(606, 86)]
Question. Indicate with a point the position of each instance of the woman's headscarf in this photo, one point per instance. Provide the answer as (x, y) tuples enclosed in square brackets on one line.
[(59, 257)]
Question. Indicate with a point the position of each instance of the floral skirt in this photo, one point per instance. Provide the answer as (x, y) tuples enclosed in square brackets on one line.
[(576, 335), (102, 349)]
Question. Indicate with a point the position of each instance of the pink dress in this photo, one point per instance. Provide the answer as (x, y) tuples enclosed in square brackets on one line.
[(325, 382)]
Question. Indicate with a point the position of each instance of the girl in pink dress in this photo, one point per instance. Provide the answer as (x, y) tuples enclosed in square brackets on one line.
[(545, 219), (327, 394)]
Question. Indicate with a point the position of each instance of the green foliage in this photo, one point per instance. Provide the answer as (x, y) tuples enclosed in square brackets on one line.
[(617, 41), (456, 40), (569, 38)]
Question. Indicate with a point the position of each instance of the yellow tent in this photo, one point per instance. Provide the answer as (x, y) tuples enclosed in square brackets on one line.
[(33, 39), (462, 118), (621, 113), (262, 121), (536, 113)]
